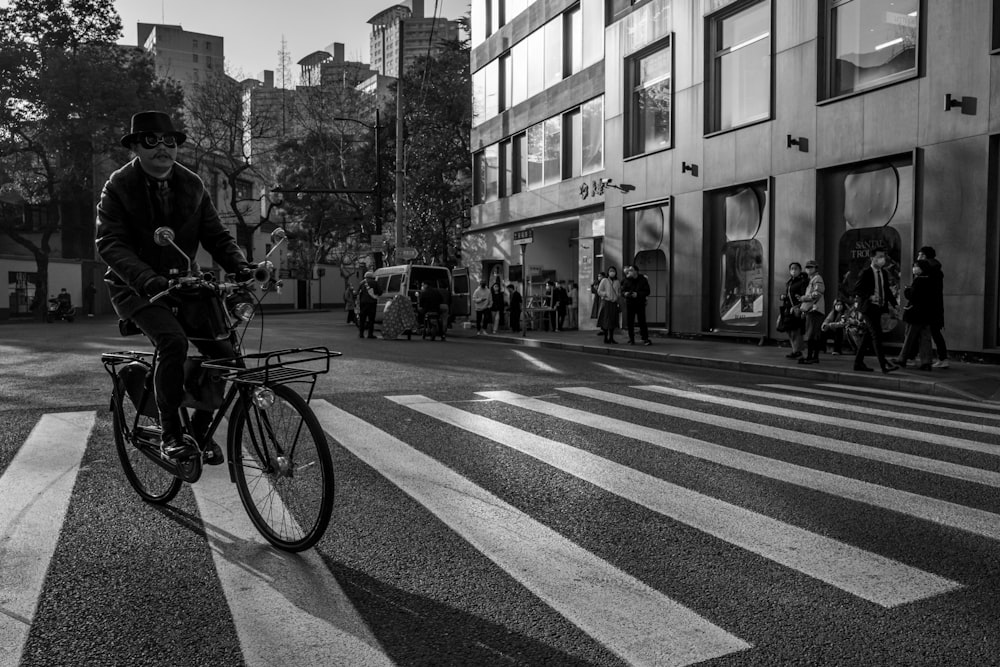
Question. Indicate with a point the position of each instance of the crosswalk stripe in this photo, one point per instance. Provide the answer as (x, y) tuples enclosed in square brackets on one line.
[(537, 363), (867, 575), (902, 459), (35, 491), (946, 400), (867, 410), (287, 608), (634, 621), (885, 402), (976, 521), (814, 418)]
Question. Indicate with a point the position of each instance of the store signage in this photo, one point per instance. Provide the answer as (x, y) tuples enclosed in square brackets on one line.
[(524, 236)]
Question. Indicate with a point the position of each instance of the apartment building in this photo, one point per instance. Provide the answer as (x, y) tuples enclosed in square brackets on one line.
[(404, 26), (188, 57), (737, 136)]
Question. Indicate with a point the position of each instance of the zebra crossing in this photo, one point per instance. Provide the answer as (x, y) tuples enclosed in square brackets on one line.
[(935, 463)]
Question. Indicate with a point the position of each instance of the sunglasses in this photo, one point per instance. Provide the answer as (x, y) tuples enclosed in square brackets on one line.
[(150, 140)]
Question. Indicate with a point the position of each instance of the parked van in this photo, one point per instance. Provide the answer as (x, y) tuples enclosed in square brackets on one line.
[(406, 278)]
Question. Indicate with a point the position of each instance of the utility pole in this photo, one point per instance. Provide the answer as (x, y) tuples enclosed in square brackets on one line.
[(400, 171)]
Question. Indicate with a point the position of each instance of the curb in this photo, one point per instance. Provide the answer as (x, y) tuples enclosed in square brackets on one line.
[(849, 378)]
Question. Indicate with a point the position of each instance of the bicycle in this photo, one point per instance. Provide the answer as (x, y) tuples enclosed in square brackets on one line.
[(276, 451)]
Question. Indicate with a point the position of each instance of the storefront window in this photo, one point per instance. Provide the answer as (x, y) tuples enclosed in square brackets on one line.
[(650, 115), (871, 42), (738, 268), (740, 75)]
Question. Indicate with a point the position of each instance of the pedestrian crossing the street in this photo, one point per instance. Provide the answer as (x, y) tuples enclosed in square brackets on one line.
[(814, 497)]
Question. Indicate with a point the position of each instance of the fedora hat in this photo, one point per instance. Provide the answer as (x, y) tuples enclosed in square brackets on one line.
[(151, 121)]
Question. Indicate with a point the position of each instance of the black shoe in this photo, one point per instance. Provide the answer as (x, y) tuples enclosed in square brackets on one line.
[(793, 355), (925, 367), (647, 342), (176, 447), (890, 367), (862, 367), (213, 455), (808, 360)]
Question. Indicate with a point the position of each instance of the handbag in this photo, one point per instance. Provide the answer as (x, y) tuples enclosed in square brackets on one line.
[(889, 322)]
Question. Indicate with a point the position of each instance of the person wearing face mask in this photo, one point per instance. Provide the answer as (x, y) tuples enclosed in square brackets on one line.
[(874, 297), (812, 306), (795, 287), (481, 303), (835, 325), (919, 316), (609, 291)]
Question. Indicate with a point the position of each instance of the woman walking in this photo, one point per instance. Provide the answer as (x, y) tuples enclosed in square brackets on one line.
[(609, 292)]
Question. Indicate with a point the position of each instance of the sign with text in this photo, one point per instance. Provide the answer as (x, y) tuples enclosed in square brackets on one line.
[(406, 253), (524, 236)]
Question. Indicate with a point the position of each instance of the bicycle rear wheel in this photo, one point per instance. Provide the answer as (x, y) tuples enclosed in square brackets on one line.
[(284, 472), (150, 480)]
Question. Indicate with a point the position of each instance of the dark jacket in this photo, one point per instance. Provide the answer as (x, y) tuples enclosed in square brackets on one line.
[(430, 300), (126, 220), (919, 301), (864, 290), (515, 301), (368, 292), (639, 285), (936, 304), (795, 287)]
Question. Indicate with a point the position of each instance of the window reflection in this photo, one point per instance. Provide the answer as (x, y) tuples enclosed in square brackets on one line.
[(651, 102), (741, 85), (593, 135), (873, 41)]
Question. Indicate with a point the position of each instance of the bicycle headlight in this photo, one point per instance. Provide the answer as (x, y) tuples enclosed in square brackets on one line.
[(243, 311), (263, 397)]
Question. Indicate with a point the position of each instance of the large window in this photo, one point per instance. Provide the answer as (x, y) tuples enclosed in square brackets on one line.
[(739, 85), (544, 153), (487, 166), (592, 114), (650, 101), (870, 43)]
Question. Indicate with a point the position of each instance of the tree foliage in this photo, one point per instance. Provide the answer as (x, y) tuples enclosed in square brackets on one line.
[(438, 121), (65, 85)]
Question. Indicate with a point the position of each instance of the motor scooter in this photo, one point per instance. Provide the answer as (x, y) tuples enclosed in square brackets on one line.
[(60, 310)]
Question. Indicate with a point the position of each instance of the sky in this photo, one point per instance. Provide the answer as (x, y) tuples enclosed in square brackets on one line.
[(253, 29)]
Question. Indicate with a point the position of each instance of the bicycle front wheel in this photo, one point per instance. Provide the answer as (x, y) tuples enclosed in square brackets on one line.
[(149, 479), (284, 472)]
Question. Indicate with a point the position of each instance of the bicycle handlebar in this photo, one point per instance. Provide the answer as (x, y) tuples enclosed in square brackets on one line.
[(194, 282)]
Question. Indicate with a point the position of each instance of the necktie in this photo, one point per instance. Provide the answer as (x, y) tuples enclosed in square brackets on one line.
[(879, 294), (163, 198)]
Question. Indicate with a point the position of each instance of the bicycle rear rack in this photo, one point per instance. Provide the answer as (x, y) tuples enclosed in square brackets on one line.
[(277, 367)]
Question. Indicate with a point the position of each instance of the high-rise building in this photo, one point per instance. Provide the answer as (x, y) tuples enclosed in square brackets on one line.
[(713, 142), (420, 36), (185, 56)]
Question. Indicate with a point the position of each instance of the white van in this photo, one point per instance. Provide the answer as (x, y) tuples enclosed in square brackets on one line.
[(406, 279)]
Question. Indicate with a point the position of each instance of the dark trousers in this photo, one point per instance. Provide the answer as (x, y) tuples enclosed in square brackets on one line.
[(634, 312), (942, 347), (366, 318), (515, 320), (166, 334), (872, 337), (560, 316), (483, 319)]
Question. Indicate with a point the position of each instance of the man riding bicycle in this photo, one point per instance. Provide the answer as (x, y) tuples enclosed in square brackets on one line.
[(149, 192)]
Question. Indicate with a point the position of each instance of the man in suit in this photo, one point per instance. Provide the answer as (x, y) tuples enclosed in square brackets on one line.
[(874, 297)]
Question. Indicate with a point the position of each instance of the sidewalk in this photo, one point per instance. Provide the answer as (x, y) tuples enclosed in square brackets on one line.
[(979, 382)]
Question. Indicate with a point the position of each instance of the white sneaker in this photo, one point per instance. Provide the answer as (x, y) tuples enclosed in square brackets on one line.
[(940, 363)]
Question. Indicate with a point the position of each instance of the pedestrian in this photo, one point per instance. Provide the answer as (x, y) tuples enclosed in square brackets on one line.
[(812, 306), (574, 306), (834, 327), (936, 324), (595, 301), (560, 299), (609, 291), (792, 324), (350, 303), (481, 303), (497, 305), (918, 316), (153, 191), (514, 307), (429, 304), (368, 293), (874, 298), (635, 289), (89, 294)]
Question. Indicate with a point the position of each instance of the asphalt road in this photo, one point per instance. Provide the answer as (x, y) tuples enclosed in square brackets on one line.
[(501, 505)]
